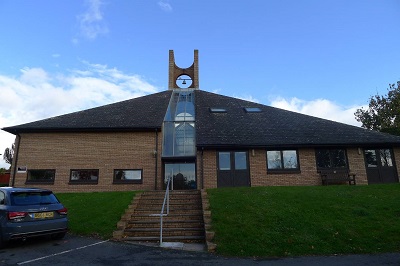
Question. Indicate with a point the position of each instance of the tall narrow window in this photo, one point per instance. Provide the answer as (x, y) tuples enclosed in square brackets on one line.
[(224, 160)]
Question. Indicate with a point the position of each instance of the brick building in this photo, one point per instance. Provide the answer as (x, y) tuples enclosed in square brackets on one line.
[(201, 139)]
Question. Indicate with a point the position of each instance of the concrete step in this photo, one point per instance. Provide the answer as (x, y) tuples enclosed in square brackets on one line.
[(184, 222), (185, 239), (166, 224)]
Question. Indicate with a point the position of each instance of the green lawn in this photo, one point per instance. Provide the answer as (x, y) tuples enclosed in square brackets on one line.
[(95, 214), (293, 221), (272, 221)]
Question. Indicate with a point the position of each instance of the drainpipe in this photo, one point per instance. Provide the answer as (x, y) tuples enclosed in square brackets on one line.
[(18, 141), (156, 161), (202, 167)]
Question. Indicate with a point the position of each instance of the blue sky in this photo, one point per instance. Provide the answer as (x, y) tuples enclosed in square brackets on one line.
[(322, 58)]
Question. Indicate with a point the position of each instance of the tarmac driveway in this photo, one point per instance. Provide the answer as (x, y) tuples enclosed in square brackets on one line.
[(76, 250)]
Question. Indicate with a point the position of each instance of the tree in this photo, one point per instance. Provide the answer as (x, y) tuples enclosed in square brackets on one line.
[(9, 154), (383, 113)]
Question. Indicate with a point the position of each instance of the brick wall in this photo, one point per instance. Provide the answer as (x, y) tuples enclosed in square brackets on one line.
[(103, 151), (128, 150), (259, 175), (307, 176), (209, 170), (356, 161)]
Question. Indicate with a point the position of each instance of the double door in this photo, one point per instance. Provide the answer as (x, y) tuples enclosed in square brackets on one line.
[(233, 170), (380, 166)]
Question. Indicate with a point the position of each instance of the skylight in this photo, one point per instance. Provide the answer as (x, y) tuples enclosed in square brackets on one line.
[(217, 110), (252, 110)]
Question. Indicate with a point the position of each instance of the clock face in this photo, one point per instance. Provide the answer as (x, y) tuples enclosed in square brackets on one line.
[(184, 81)]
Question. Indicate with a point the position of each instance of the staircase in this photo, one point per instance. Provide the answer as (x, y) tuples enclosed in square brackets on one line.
[(184, 223)]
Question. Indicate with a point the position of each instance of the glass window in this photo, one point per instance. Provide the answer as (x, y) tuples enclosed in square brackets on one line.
[(370, 156), (252, 110), (240, 160), (224, 159), (183, 174), (274, 160), (331, 158), (128, 176), (46, 176), (2, 198), (33, 198), (386, 157), (179, 125), (217, 110), (84, 176), (282, 160), (289, 159)]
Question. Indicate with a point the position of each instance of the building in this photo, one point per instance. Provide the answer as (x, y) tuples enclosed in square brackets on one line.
[(201, 139)]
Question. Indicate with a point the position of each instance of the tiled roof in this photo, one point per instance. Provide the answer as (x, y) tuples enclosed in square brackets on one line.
[(273, 127), (142, 113)]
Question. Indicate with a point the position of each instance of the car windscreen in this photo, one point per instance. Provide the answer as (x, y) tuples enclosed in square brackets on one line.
[(33, 198)]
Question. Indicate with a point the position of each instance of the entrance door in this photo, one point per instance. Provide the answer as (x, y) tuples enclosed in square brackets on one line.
[(380, 166), (183, 175), (233, 170)]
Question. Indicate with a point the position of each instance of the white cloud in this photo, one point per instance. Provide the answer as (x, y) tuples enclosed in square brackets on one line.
[(249, 98), (319, 108), (37, 94), (91, 22), (164, 5)]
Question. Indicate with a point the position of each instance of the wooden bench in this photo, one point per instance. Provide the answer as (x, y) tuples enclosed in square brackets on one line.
[(337, 176)]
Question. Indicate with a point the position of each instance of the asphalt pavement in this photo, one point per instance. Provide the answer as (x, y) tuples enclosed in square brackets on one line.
[(77, 250)]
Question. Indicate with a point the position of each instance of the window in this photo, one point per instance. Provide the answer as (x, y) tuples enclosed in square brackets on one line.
[(33, 198), (224, 159), (252, 110), (41, 176), (124, 176), (240, 160), (331, 158), (2, 198), (84, 176), (384, 158), (217, 110), (282, 160)]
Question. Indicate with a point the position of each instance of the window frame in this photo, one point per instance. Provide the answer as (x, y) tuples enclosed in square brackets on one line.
[(330, 159), (127, 181), (283, 170), (43, 181), (84, 181)]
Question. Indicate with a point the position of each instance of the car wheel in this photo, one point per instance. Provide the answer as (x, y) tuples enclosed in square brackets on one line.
[(58, 236)]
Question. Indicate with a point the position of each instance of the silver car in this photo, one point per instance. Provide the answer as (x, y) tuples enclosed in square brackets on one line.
[(30, 212)]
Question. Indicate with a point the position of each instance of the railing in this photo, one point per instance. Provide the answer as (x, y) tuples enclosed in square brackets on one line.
[(162, 214)]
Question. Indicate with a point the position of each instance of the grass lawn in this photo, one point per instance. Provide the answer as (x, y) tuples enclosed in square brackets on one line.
[(97, 213), (316, 220)]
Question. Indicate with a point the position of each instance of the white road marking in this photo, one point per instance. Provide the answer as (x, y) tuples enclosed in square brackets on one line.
[(60, 253)]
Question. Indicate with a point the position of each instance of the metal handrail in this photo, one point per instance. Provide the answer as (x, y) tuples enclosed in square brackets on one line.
[(166, 200)]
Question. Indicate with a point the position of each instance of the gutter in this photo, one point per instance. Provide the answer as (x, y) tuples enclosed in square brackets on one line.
[(156, 161), (202, 168)]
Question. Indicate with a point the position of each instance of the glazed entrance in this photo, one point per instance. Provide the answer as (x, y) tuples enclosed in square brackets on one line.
[(183, 175)]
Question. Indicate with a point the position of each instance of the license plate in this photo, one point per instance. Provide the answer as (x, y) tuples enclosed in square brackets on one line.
[(42, 215)]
